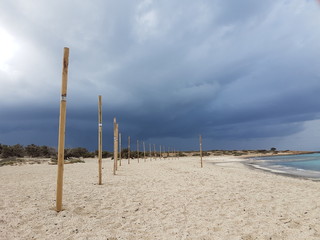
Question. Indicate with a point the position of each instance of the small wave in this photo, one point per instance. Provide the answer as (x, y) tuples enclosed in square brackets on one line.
[(300, 165)]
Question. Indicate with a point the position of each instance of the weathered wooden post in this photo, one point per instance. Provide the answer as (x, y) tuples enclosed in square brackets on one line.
[(144, 152), (120, 149), (138, 149), (100, 138), (200, 140), (62, 125), (128, 149), (115, 147)]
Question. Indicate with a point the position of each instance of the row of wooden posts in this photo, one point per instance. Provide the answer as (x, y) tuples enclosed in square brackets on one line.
[(118, 146), (117, 137)]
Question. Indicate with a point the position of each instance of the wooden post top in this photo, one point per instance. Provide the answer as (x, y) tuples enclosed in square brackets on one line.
[(65, 73)]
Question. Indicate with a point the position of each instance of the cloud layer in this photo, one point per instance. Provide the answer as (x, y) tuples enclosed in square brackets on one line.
[(237, 73)]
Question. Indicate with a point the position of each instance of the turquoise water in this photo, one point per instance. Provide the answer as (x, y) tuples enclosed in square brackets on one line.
[(306, 165)]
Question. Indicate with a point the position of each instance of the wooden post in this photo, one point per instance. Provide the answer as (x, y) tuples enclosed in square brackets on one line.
[(62, 125), (154, 151), (200, 140), (117, 145), (114, 146), (150, 152), (120, 149), (128, 149), (100, 138), (144, 152), (160, 152), (138, 149)]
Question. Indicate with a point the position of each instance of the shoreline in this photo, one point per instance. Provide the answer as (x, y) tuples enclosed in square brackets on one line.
[(256, 167), (254, 164)]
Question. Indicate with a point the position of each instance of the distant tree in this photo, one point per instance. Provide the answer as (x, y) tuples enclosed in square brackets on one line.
[(44, 151), (47, 152), (92, 155), (18, 150), (77, 152), (6, 151), (124, 153), (105, 154), (12, 151), (273, 149), (33, 150), (133, 154)]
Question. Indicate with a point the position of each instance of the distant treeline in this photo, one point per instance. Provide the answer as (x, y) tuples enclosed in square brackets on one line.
[(31, 150), (34, 151)]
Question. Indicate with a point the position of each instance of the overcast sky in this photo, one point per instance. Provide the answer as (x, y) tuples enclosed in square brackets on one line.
[(244, 74)]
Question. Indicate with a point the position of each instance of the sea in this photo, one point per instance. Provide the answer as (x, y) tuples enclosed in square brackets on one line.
[(303, 165)]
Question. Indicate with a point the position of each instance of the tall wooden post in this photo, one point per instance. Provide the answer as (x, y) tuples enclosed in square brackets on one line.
[(128, 149), (138, 149), (200, 140), (120, 149), (115, 147), (144, 152), (62, 125), (100, 138)]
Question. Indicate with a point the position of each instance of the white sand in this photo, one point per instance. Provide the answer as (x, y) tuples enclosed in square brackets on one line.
[(167, 199)]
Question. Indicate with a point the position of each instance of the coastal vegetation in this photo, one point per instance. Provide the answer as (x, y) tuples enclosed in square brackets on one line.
[(34, 154)]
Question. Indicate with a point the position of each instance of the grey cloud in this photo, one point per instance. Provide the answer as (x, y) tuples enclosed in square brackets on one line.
[(166, 70)]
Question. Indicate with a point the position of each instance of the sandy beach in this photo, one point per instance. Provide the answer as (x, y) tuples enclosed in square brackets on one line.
[(162, 199)]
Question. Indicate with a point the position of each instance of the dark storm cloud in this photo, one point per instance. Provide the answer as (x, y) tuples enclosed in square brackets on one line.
[(236, 71)]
